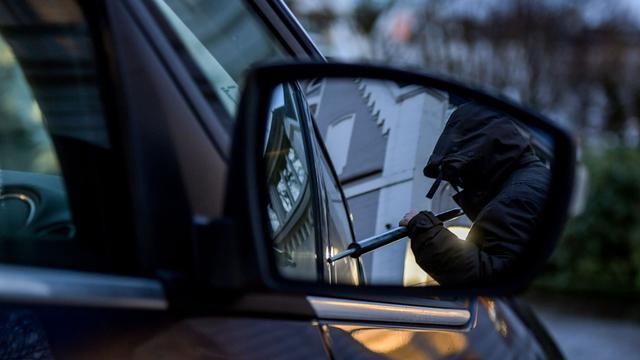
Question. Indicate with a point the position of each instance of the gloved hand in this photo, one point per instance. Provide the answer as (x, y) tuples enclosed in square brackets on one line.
[(419, 221), (407, 217)]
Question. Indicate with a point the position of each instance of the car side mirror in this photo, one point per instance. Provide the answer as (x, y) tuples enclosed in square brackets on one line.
[(492, 179)]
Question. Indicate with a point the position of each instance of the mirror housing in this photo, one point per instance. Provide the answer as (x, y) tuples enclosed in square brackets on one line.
[(247, 180)]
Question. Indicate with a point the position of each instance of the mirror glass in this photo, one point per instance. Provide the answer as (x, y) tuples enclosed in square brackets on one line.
[(290, 206), (399, 184)]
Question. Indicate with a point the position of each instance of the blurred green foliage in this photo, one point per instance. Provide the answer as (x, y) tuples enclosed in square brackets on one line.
[(600, 248)]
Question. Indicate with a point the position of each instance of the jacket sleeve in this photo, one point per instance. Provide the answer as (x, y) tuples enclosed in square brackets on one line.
[(439, 252), (496, 239)]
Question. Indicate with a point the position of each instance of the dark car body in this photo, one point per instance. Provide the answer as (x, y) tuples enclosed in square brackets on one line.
[(143, 142)]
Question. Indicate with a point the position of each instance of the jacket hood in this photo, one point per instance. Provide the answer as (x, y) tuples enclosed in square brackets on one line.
[(478, 148)]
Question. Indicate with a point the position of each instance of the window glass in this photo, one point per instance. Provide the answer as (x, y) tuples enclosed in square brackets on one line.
[(290, 194), (24, 144), (51, 126), (338, 140), (224, 39), (338, 228)]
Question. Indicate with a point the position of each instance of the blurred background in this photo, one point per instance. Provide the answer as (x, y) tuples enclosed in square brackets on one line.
[(577, 62)]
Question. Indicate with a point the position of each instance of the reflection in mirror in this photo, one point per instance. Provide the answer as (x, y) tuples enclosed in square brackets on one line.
[(406, 155), (289, 207)]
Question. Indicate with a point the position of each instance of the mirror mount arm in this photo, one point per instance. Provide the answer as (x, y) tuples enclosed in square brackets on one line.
[(361, 247)]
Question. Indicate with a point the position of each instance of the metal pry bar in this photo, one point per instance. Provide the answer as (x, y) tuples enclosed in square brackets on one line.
[(369, 244)]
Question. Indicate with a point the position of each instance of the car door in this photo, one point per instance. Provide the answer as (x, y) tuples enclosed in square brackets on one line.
[(71, 284), (432, 329), (96, 224), (336, 230), (203, 49)]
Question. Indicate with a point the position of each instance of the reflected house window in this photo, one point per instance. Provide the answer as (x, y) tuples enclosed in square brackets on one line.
[(297, 166), (284, 195), (291, 179), (273, 218), (338, 139)]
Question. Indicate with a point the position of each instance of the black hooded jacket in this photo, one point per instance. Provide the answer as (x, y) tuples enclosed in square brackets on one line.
[(504, 188)]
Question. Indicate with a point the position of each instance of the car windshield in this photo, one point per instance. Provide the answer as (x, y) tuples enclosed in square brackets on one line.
[(224, 39)]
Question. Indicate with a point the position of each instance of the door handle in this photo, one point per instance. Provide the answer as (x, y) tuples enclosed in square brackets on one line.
[(357, 310)]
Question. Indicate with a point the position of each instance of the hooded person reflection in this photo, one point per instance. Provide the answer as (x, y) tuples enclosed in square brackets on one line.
[(501, 185)]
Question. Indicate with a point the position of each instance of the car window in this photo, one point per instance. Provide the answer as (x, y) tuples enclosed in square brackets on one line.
[(53, 137), (339, 235), (223, 38), (289, 191)]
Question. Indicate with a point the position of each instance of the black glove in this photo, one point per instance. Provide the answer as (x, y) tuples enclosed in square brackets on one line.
[(423, 221)]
